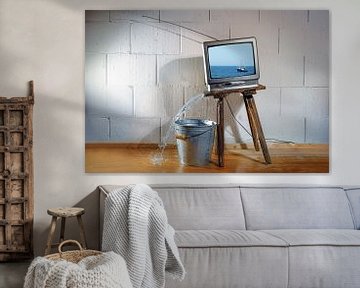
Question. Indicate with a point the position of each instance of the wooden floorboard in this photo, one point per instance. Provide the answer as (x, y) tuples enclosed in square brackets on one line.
[(137, 158)]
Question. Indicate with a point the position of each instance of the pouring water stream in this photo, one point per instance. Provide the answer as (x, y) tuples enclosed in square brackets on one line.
[(158, 157)]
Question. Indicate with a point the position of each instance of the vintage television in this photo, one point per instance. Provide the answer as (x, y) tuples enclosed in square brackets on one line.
[(230, 64)]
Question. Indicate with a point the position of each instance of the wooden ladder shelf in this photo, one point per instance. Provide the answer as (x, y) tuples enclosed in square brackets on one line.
[(16, 177)]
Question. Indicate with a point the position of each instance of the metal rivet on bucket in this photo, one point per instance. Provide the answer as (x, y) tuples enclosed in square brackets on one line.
[(194, 139)]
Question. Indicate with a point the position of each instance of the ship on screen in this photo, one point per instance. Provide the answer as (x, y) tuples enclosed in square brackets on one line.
[(219, 72)]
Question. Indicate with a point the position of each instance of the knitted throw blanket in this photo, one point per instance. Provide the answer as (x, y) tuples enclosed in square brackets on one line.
[(136, 227), (104, 271)]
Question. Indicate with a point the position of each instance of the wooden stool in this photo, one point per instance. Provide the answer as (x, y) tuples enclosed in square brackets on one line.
[(64, 213)]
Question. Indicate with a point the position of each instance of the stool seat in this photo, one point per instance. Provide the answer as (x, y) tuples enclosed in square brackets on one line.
[(66, 211)]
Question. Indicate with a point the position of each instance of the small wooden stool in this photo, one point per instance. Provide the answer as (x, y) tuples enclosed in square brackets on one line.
[(64, 213)]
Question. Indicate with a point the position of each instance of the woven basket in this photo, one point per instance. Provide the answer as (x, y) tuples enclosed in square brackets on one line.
[(72, 256)]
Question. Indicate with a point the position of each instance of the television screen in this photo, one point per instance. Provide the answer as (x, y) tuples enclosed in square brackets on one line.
[(231, 60)]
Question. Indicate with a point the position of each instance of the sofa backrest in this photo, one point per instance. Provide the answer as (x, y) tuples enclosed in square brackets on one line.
[(211, 207), (203, 208), (296, 208)]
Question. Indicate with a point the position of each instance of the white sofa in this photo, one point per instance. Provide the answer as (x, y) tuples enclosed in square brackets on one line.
[(246, 236)]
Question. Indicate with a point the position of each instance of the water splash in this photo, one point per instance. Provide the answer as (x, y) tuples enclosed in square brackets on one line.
[(158, 157)]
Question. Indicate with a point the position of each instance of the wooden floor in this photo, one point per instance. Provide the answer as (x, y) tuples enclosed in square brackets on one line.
[(137, 158)]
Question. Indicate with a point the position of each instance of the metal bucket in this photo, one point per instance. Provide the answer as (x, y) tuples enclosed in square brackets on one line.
[(194, 139)]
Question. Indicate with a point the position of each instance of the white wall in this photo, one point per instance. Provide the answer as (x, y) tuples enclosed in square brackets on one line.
[(139, 70), (44, 41)]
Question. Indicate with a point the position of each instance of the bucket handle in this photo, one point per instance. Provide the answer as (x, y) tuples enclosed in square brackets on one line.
[(185, 137)]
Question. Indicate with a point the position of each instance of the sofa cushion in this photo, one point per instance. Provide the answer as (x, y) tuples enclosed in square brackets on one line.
[(226, 238), (324, 266), (218, 267), (322, 257), (204, 208), (296, 208), (191, 207), (315, 237)]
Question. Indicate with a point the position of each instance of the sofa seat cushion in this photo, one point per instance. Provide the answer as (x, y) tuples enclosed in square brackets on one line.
[(317, 237), (324, 258), (225, 238)]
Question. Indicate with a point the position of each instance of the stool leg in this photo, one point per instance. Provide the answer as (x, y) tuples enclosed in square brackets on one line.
[(62, 231), (51, 235), (82, 232)]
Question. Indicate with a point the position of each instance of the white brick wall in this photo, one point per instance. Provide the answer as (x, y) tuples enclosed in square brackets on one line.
[(271, 18), (131, 15), (139, 71), (146, 101), (317, 130), (234, 133), (191, 45), (317, 103), (288, 128), (239, 17), (128, 69), (120, 100), (97, 129), (135, 130), (267, 40), (95, 70), (317, 49), (185, 15), (144, 69), (167, 69), (119, 69), (105, 37), (96, 104), (291, 52), (191, 42), (293, 101), (153, 38), (95, 83), (158, 101), (192, 71), (208, 30), (268, 102), (269, 58), (200, 108)]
